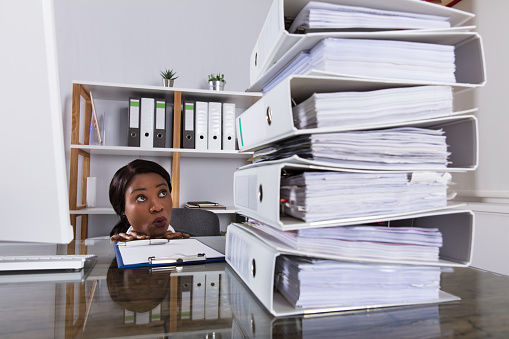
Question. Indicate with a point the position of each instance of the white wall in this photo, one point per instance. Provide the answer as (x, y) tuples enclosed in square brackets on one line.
[(491, 180), (130, 41)]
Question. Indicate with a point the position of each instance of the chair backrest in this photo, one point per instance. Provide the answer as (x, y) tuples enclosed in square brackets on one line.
[(195, 222)]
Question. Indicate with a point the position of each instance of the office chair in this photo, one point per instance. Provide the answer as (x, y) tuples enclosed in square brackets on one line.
[(195, 222)]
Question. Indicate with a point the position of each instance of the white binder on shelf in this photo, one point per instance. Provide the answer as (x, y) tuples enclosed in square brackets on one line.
[(228, 127), (257, 195), (461, 134), (201, 123), (160, 124), (274, 39), (469, 56), (271, 118), (215, 126), (253, 258), (147, 113)]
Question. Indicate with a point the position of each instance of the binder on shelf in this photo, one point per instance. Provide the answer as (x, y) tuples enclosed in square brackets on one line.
[(461, 134), (215, 126), (254, 260), (160, 124), (468, 51), (275, 40), (202, 128), (134, 123), (188, 125), (147, 113), (271, 118), (163, 252), (257, 194), (228, 126)]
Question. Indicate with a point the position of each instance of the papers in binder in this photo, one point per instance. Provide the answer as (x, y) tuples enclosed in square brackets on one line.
[(384, 59), (314, 283), (173, 251), (394, 148), (383, 106), (363, 241), (324, 16)]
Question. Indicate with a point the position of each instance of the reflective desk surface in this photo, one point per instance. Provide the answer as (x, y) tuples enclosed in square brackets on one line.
[(210, 301)]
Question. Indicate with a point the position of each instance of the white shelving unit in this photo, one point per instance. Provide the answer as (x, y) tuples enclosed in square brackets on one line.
[(82, 153)]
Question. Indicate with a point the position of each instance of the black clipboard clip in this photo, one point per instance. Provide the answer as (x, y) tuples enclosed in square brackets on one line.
[(177, 259)]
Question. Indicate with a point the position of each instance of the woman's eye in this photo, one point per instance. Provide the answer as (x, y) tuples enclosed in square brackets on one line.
[(163, 193), (141, 198)]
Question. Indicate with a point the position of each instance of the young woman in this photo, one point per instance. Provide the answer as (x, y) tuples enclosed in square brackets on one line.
[(140, 194)]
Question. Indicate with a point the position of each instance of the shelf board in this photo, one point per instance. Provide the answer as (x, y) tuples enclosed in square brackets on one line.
[(112, 91), (109, 210), (160, 152)]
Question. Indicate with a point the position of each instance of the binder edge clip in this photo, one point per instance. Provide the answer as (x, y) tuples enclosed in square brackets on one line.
[(177, 259)]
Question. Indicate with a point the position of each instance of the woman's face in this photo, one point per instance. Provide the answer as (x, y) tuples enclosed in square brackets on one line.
[(148, 204)]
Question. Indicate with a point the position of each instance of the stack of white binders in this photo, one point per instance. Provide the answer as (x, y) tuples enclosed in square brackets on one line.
[(355, 140)]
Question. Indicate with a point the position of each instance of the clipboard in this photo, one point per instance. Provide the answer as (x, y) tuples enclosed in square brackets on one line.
[(164, 252)]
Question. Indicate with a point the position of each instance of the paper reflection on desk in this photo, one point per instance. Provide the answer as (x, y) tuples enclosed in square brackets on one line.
[(252, 320)]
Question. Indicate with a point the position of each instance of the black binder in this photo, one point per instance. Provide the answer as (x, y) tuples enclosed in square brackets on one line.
[(133, 138), (188, 125)]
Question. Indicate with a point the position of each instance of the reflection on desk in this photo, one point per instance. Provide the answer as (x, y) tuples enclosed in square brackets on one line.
[(210, 300)]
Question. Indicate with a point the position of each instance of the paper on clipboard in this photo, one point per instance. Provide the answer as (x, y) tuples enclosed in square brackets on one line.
[(175, 251)]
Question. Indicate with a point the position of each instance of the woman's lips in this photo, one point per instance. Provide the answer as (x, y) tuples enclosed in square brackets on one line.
[(159, 222)]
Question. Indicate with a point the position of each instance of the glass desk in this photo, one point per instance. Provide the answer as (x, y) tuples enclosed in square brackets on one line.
[(210, 301)]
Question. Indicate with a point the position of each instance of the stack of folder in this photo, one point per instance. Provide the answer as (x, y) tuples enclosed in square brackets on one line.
[(354, 142)]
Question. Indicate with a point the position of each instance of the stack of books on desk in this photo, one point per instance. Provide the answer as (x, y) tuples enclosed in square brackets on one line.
[(354, 144)]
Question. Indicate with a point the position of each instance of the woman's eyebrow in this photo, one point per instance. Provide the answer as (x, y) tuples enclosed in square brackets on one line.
[(144, 189)]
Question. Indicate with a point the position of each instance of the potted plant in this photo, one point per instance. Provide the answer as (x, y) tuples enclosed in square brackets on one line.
[(216, 82), (168, 77)]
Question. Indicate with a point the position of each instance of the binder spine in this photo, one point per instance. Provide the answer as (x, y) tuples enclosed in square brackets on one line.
[(160, 124), (133, 138), (254, 262), (188, 125), (228, 127), (202, 125), (215, 126), (147, 112)]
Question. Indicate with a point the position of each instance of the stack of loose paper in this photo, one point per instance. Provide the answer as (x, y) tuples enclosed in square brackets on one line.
[(317, 196), (366, 58), (307, 282), (363, 241), (324, 16), (384, 106), (396, 148)]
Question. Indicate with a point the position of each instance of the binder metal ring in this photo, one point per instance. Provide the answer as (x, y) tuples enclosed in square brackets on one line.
[(253, 267), (269, 115), (260, 193)]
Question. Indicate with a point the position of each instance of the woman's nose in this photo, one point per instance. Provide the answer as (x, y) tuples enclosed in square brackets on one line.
[(156, 206)]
